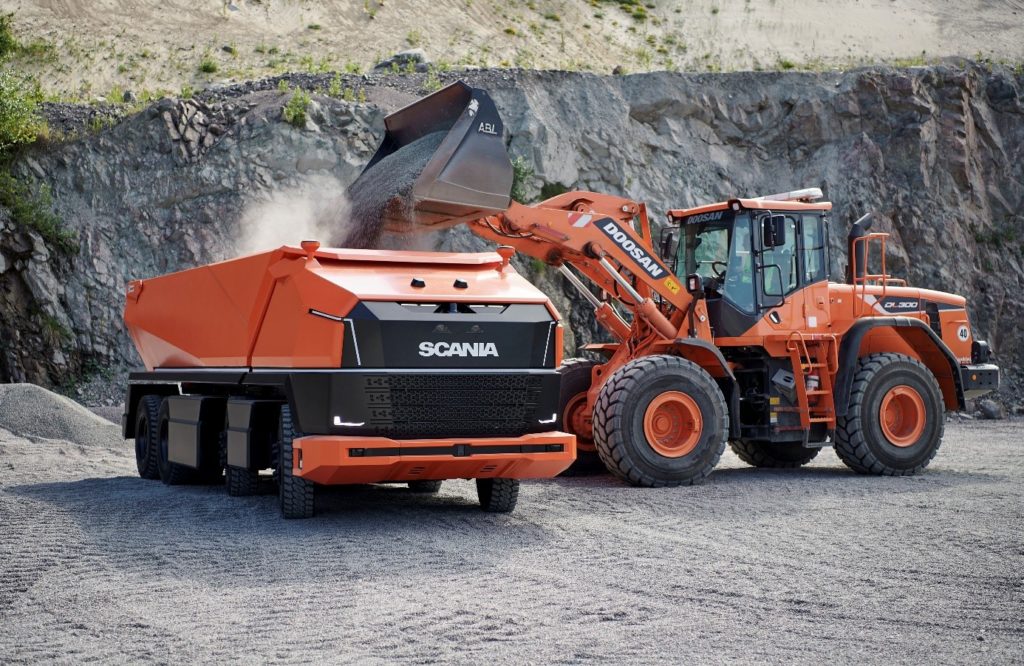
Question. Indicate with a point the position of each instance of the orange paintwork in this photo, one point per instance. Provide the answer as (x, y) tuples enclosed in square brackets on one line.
[(326, 459), (673, 424), (902, 415), (254, 311)]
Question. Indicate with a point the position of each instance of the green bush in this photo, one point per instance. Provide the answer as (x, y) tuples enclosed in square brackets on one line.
[(294, 111), (522, 175), (33, 210), (8, 44), (19, 116)]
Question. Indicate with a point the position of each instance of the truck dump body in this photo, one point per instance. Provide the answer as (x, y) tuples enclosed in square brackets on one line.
[(394, 366)]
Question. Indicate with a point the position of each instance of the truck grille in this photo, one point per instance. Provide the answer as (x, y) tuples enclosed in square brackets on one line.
[(452, 405)]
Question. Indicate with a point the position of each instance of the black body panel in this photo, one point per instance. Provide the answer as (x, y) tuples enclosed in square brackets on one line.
[(400, 404), (449, 335), (979, 379)]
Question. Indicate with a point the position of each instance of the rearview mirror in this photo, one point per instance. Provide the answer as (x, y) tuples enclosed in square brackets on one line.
[(773, 231), (669, 243)]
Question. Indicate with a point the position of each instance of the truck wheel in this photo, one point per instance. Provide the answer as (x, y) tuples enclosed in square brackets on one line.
[(425, 487), (147, 437), (767, 454), (497, 495), (572, 402), (296, 494), (172, 474), (661, 421), (242, 482), (895, 419)]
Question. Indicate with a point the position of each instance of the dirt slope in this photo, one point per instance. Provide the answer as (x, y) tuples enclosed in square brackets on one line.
[(97, 44), (800, 566)]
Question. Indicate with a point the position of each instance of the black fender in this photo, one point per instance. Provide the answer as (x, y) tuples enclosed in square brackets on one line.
[(849, 352), (709, 357)]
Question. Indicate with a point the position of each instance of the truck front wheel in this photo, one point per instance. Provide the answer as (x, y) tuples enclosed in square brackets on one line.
[(296, 494), (894, 422), (661, 421), (497, 495)]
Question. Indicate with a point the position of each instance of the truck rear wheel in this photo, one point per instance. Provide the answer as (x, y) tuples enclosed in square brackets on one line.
[(242, 482), (497, 495), (780, 455), (894, 423), (661, 421), (171, 473), (571, 417), (425, 487), (296, 494), (147, 437)]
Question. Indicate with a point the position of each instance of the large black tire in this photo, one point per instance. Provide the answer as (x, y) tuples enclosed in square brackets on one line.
[(619, 422), (575, 380), (295, 493), (780, 455), (497, 495), (147, 437), (861, 441), (426, 487), (172, 474), (242, 482)]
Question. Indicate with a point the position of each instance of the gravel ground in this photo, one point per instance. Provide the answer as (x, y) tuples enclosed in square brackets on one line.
[(781, 566)]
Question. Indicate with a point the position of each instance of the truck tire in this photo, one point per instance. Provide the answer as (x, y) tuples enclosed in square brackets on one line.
[(296, 494), (242, 482), (171, 473), (781, 455), (147, 437), (895, 419), (661, 421), (425, 487), (572, 398), (497, 495)]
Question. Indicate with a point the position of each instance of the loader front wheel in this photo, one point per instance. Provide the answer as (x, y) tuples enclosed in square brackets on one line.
[(661, 421), (147, 437), (769, 455), (497, 495), (572, 416), (894, 422), (295, 493)]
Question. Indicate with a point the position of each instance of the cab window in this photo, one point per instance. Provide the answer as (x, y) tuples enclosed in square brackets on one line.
[(784, 279), (813, 248)]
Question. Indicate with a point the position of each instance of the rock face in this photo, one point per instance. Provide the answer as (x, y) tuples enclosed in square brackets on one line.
[(936, 152)]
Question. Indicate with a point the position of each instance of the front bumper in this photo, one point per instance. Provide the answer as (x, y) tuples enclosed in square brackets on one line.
[(978, 380), (334, 460)]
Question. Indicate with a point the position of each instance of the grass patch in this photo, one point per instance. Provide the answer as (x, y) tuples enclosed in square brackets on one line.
[(20, 121), (33, 209), (207, 65)]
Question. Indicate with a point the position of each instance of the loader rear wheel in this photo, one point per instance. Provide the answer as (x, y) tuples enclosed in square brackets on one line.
[(147, 437), (661, 421), (171, 473), (497, 495), (767, 454), (572, 415), (895, 421), (295, 493), (425, 487)]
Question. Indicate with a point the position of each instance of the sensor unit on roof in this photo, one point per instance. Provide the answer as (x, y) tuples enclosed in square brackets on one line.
[(806, 194)]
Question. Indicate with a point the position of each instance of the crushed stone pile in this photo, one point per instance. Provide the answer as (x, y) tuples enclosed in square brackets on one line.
[(28, 410), (383, 194)]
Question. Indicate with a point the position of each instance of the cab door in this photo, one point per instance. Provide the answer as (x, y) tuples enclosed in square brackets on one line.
[(792, 271)]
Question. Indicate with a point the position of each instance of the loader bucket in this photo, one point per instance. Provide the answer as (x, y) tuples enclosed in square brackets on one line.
[(469, 175)]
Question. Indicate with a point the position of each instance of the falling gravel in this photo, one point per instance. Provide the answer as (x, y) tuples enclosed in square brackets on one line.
[(775, 566), (382, 196)]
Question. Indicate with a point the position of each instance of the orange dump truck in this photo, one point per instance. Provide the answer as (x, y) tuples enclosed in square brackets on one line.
[(346, 366)]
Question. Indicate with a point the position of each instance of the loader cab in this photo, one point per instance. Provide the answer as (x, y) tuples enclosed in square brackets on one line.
[(750, 259)]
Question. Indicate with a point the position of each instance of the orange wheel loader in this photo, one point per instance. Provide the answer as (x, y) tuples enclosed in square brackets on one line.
[(728, 329)]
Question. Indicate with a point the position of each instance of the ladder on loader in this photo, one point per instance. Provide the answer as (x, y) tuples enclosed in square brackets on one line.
[(815, 360)]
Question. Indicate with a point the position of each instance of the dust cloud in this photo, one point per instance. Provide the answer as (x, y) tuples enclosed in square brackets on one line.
[(316, 209)]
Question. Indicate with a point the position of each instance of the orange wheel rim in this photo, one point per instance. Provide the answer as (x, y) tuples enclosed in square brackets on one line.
[(902, 415), (576, 420), (673, 424)]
